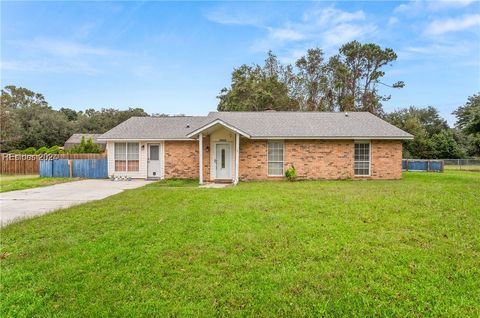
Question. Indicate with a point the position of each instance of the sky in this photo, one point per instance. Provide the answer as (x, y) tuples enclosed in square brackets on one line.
[(175, 57)]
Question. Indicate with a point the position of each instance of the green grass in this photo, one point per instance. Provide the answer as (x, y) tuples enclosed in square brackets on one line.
[(464, 168), (408, 248), (21, 182)]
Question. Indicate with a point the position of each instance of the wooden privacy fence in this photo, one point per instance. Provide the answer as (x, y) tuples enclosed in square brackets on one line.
[(76, 168), (422, 165), (29, 164)]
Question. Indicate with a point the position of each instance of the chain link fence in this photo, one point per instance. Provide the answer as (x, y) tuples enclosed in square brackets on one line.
[(462, 164)]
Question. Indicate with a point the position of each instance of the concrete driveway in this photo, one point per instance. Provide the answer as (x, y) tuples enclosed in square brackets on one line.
[(16, 205)]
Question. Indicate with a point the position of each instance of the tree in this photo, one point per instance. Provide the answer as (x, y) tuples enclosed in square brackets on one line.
[(356, 72), (100, 121), (468, 122), (348, 82), (312, 81), (256, 88), (31, 121), (433, 138)]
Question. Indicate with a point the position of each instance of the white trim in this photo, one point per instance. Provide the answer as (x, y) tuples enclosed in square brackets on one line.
[(215, 156), (200, 157), (142, 139), (126, 156), (160, 157), (220, 122), (237, 156), (369, 158), (332, 138), (283, 161)]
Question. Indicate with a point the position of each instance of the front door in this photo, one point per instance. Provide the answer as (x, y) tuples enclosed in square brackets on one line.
[(223, 162), (154, 166)]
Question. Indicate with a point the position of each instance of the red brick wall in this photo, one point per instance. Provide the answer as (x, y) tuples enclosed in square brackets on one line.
[(386, 159), (321, 159), (313, 159), (181, 159)]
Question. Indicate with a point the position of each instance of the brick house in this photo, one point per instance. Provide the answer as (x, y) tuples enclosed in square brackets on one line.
[(233, 146)]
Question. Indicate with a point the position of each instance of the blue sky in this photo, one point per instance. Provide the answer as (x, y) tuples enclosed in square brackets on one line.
[(174, 57)]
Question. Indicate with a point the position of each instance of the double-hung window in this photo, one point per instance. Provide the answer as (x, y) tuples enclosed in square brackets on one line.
[(362, 159), (126, 156), (275, 158)]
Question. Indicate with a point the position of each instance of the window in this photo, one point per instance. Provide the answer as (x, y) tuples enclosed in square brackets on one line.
[(275, 158), (362, 159), (126, 156), (223, 158)]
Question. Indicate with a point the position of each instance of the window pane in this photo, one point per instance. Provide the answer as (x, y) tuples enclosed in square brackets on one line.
[(120, 165), (275, 169), (132, 151), (362, 159), (133, 165), (275, 158), (223, 158), (154, 152), (120, 151)]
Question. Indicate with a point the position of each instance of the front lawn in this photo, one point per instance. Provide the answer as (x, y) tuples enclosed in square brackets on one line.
[(408, 248), (21, 182)]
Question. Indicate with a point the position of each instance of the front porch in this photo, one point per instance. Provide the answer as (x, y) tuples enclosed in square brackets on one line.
[(219, 153)]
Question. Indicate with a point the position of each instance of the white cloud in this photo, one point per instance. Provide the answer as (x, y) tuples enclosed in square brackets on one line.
[(225, 15), (66, 48), (465, 22), (60, 56), (49, 66), (419, 7), (286, 34), (448, 4), (327, 28), (393, 20)]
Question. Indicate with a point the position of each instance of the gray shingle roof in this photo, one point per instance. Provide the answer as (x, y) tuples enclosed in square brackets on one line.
[(263, 125), (77, 138), (311, 124), (138, 128)]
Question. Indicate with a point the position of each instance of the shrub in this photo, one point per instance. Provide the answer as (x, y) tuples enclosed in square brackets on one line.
[(41, 150), (291, 173), (29, 151), (86, 147), (54, 150)]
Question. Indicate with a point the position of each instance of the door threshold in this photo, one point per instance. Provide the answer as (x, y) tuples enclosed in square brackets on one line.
[(222, 181)]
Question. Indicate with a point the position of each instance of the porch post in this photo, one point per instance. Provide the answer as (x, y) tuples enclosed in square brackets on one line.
[(237, 156), (200, 157)]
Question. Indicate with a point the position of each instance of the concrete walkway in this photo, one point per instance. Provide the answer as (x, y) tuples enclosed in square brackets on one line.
[(16, 205)]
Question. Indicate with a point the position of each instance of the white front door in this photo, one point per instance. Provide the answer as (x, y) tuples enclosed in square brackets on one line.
[(154, 165), (223, 162)]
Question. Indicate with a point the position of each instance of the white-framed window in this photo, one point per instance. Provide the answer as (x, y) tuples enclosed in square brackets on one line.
[(127, 156), (275, 158), (362, 159)]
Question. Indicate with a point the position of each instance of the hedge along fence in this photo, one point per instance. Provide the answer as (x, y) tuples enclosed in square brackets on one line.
[(29, 164), (76, 168), (422, 165)]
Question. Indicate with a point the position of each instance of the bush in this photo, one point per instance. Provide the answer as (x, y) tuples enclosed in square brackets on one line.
[(86, 147), (41, 150), (291, 173), (54, 150)]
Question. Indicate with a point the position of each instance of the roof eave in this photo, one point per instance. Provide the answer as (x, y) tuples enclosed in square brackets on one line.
[(337, 137), (217, 122)]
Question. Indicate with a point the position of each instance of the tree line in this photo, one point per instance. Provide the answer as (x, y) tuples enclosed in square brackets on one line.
[(347, 81)]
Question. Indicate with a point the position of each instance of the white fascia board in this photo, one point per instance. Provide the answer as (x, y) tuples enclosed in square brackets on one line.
[(334, 137), (219, 122), (146, 139)]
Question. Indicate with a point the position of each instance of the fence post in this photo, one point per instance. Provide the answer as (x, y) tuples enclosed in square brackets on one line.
[(70, 167), (407, 165)]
